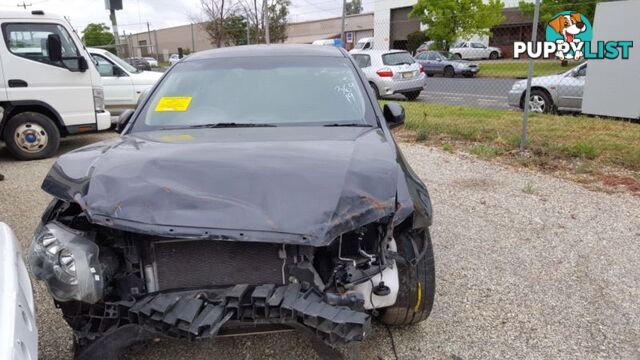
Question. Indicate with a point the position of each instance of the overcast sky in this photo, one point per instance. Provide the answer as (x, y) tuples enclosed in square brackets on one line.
[(162, 13)]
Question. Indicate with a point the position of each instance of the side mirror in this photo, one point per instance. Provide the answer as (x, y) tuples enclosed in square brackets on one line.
[(117, 71), (76, 64), (143, 97), (123, 120), (54, 47), (393, 114)]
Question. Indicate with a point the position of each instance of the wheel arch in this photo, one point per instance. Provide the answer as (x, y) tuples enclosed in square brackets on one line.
[(13, 108), (541, 88)]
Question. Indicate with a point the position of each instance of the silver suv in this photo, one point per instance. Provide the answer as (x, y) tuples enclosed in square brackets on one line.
[(392, 72)]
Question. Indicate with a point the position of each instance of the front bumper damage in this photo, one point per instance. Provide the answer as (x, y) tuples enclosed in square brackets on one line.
[(203, 313)]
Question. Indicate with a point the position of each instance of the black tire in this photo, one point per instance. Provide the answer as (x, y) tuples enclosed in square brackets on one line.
[(538, 95), (38, 125), (457, 56), (430, 75), (449, 72), (468, 75), (494, 55), (417, 284), (412, 95), (375, 90)]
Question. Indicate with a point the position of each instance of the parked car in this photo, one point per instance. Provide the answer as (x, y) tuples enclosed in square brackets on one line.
[(123, 83), (50, 86), (257, 188), (392, 72), (425, 46), (174, 58), (363, 44), (447, 64), (18, 327), (468, 50), (152, 61), (139, 63), (561, 92)]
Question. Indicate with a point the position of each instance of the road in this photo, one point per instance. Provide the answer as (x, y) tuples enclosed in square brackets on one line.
[(476, 92), (547, 273)]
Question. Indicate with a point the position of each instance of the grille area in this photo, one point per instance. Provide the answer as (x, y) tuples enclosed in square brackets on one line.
[(198, 264)]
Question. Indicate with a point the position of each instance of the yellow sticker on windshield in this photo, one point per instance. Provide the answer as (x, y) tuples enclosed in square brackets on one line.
[(173, 103)]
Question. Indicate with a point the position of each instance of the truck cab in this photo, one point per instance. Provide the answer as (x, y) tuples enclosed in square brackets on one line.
[(49, 85)]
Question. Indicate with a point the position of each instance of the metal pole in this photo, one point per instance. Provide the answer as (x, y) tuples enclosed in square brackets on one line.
[(265, 14), (527, 98), (193, 40), (344, 16), (248, 28), (150, 48), (114, 25)]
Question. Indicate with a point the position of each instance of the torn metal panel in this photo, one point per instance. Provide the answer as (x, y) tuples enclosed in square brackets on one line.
[(304, 190)]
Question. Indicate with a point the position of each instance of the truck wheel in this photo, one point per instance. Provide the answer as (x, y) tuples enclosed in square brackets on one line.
[(31, 136), (417, 284), (494, 55)]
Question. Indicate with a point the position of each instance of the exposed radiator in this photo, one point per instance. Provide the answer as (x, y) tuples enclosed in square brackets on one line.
[(204, 263)]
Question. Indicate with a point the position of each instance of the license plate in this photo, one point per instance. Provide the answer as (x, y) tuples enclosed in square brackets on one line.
[(408, 75)]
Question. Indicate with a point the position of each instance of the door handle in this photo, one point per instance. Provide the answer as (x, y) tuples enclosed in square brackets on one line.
[(15, 83)]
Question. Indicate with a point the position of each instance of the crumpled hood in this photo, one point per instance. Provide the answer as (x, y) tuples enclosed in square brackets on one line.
[(244, 184)]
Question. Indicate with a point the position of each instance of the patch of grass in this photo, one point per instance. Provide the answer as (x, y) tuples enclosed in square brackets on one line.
[(422, 135), (550, 137), (585, 167), (484, 151), (520, 69), (584, 150), (447, 147), (528, 189)]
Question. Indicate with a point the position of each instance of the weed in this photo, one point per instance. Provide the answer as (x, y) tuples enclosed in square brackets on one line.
[(584, 150), (447, 147), (422, 135), (484, 151), (528, 189)]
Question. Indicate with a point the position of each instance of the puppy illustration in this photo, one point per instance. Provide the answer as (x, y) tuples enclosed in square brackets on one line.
[(569, 26)]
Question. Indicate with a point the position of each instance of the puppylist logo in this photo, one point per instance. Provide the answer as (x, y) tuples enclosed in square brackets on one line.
[(569, 37)]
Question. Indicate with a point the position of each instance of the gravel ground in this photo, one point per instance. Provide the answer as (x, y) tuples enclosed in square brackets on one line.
[(528, 266)]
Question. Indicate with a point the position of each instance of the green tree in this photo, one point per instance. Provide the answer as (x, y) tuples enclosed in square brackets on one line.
[(354, 7), (97, 35), (278, 13), (549, 8), (415, 39), (450, 20)]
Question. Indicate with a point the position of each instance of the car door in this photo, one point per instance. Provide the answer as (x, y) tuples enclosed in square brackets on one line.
[(32, 76), (571, 89), (422, 59), (117, 84), (463, 50), (478, 51), (437, 62)]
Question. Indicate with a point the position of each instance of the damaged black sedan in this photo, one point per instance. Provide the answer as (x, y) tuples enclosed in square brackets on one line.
[(254, 189)]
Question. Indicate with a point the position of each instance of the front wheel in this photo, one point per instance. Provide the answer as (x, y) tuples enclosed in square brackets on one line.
[(494, 55), (417, 282), (412, 95), (540, 102), (31, 136), (449, 72)]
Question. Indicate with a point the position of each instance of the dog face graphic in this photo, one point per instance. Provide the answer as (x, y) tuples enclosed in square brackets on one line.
[(568, 26)]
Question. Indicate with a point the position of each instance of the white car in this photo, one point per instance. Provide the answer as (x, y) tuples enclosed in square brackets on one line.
[(469, 50), (174, 58), (392, 72), (363, 44), (123, 84), (152, 61), (19, 340)]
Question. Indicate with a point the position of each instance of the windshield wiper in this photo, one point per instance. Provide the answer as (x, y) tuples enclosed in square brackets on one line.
[(347, 125), (230, 125)]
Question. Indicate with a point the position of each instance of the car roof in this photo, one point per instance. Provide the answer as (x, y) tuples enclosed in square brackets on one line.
[(378, 52), (267, 50)]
